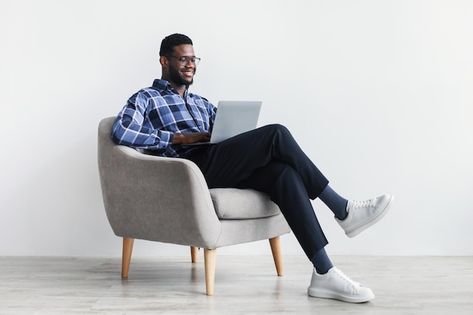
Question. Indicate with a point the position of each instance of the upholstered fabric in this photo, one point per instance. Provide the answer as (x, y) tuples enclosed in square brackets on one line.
[(233, 203), (140, 204)]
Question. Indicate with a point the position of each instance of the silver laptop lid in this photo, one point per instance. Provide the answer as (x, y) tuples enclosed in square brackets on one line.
[(233, 118)]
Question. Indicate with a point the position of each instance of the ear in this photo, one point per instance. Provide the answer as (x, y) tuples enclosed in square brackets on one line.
[(163, 61)]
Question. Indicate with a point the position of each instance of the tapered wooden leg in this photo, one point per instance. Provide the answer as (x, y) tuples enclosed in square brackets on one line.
[(277, 255), (194, 253), (126, 256), (209, 260)]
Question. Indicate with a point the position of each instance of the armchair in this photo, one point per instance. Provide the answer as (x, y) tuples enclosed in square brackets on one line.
[(167, 200)]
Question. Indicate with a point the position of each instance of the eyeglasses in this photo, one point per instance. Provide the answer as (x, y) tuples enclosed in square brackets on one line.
[(183, 60)]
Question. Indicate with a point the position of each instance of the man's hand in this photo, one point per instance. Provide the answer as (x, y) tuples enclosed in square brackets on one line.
[(181, 138)]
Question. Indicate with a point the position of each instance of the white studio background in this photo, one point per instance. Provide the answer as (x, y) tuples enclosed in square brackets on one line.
[(378, 93)]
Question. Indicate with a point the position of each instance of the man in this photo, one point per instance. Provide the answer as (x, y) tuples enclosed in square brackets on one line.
[(164, 118)]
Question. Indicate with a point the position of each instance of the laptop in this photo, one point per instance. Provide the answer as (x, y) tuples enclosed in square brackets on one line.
[(233, 118)]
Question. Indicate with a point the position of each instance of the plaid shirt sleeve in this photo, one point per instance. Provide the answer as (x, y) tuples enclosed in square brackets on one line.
[(131, 129)]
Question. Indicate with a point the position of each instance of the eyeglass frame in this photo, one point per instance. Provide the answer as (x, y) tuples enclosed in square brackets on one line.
[(187, 59)]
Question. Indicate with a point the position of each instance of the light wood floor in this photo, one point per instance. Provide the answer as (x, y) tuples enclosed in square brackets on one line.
[(243, 285)]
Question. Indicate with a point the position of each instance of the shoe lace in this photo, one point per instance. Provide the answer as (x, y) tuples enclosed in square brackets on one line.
[(353, 285), (365, 203)]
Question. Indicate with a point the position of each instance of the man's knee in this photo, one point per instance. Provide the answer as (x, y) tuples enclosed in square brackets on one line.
[(278, 128)]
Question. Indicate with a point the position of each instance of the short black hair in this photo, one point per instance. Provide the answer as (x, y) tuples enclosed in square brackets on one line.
[(171, 41)]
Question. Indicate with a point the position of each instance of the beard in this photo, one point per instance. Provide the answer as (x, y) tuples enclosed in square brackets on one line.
[(176, 77)]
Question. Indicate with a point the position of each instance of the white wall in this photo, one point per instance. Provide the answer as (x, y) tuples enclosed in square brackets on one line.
[(378, 93)]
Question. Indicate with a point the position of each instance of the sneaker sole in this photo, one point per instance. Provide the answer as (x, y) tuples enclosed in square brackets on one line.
[(318, 293), (375, 219)]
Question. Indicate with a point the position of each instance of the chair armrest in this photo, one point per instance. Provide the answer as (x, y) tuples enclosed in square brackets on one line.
[(157, 198)]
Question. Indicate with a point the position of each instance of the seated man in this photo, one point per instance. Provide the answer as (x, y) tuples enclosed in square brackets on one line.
[(163, 118)]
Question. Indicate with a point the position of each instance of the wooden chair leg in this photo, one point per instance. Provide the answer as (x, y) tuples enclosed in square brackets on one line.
[(194, 253), (126, 256), (209, 260), (277, 255)]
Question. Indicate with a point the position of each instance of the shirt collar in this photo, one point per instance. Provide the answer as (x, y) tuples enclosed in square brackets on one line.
[(162, 84)]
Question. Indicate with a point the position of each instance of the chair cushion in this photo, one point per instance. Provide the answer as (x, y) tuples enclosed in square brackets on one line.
[(234, 203)]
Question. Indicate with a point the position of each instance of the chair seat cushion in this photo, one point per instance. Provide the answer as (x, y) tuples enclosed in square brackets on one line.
[(238, 204)]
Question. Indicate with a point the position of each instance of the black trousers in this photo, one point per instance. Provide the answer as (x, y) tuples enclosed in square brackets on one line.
[(268, 159)]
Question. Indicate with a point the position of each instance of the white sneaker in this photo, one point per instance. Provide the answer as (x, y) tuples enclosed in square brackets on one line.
[(363, 214), (336, 285)]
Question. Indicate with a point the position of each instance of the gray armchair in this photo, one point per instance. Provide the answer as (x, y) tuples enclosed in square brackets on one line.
[(167, 200)]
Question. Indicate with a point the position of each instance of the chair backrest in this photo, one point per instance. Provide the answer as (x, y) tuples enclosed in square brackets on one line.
[(105, 148)]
